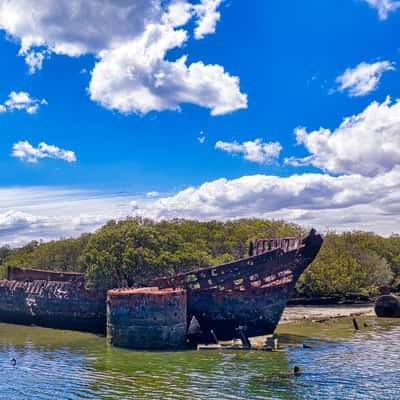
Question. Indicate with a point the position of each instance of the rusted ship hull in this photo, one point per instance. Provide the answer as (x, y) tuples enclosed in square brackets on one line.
[(28, 298), (257, 311), (248, 294)]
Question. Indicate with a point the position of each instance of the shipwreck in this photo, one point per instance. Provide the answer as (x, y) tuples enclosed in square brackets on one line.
[(52, 299), (248, 295), (243, 298)]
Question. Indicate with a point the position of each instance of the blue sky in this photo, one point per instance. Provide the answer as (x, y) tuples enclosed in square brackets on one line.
[(280, 68)]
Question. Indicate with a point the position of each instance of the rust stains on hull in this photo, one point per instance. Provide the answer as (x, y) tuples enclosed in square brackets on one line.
[(64, 304), (250, 293), (147, 318), (258, 311)]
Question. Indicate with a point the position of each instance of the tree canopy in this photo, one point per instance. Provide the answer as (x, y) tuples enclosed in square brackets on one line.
[(132, 252)]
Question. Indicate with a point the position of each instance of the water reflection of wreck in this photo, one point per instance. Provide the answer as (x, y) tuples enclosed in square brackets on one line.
[(250, 293)]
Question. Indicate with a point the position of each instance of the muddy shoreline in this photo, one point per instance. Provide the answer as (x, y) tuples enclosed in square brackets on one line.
[(325, 312)]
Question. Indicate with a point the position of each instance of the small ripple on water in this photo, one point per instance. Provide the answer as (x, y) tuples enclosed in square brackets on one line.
[(74, 366), (364, 367)]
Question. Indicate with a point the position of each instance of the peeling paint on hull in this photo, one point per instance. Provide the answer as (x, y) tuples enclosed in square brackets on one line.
[(147, 318), (250, 293), (258, 311), (63, 305)]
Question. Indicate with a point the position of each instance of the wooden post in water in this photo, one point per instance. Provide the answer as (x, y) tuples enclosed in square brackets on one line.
[(355, 324), (272, 342), (214, 336), (245, 340)]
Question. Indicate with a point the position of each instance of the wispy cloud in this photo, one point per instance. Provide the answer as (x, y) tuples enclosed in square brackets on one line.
[(201, 138), (22, 101), (364, 78), (384, 7), (255, 151), (34, 59), (26, 152), (152, 194), (34, 213)]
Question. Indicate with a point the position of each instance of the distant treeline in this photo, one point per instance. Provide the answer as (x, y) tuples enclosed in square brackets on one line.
[(133, 251)]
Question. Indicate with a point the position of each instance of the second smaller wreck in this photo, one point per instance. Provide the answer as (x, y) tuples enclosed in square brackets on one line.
[(51, 299)]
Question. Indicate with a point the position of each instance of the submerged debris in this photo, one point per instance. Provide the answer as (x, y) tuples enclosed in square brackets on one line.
[(296, 370)]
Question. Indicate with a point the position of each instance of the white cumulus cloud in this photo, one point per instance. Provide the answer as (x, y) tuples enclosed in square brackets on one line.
[(208, 16), (26, 152), (75, 27), (14, 221), (136, 77), (21, 101), (364, 78), (201, 138), (130, 39), (345, 202), (342, 202), (367, 143), (255, 151), (384, 7)]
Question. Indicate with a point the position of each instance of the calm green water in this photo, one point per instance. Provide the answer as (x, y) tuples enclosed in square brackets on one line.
[(342, 364)]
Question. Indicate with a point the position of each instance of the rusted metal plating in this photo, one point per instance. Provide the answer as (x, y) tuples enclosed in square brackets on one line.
[(260, 246), (147, 318), (250, 293), (242, 274), (64, 304)]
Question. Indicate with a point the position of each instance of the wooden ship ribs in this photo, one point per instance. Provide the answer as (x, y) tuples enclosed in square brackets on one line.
[(249, 294)]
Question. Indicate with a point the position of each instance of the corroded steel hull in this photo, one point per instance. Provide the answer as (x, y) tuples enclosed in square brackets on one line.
[(64, 304), (257, 311), (147, 318), (251, 293)]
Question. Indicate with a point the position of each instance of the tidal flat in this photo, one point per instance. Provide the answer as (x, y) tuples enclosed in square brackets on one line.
[(338, 363)]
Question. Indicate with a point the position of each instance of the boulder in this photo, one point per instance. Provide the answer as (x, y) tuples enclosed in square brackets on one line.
[(387, 306)]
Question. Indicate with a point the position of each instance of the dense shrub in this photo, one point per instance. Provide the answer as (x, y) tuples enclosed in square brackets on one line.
[(133, 251)]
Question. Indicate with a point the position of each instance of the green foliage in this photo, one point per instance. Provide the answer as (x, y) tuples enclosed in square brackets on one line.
[(57, 255), (350, 262), (134, 251)]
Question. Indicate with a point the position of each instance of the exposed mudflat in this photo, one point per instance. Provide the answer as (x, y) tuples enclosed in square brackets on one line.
[(295, 313)]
